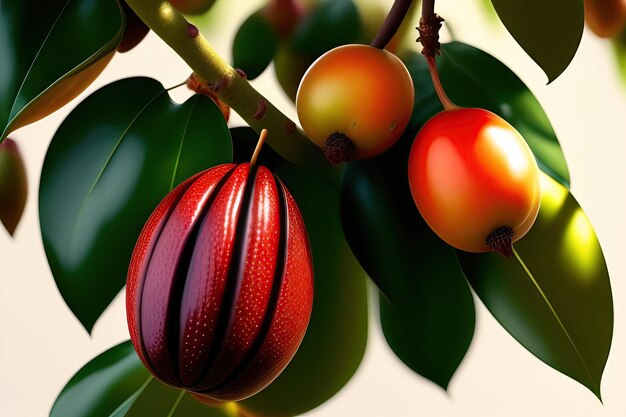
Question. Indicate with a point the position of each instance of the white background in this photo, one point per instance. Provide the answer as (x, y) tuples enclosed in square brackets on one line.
[(42, 345)]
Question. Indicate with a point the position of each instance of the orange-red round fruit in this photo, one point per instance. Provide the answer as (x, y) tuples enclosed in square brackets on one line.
[(605, 18), (474, 180), (355, 101), (220, 285)]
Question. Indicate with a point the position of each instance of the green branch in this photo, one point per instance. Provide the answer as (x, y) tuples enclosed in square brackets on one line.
[(284, 135)]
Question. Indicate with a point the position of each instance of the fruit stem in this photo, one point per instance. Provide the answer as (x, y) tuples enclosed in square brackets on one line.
[(430, 23), (176, 86), (392, 22), (441, 93), (233, 89), (259, 145)]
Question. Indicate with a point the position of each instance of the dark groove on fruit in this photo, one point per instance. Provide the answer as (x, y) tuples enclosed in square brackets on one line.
[(233, 279), (277, 283), (501, 241), (173, 328), (142, 279)]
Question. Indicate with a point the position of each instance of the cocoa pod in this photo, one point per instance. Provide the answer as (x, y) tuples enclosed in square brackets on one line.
[(220, 285)]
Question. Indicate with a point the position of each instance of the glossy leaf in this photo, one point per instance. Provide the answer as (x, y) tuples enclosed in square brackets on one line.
[(34, 34), (548, 30), (114, 378), (554, 296), (13, 185), (160, 400), (109, 164), (332, 23), (335, 340), (426, 307), (116, 384), (254, 45), (473, 78)]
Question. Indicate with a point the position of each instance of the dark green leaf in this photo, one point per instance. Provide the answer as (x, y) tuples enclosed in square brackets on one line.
[(254, 46), (554, 296), (108, 166), (332, 23), (160, 400), (426, 308), (116, 384), (110, 381), (473, 78), (335, 339), (548, 30), (34, 35)]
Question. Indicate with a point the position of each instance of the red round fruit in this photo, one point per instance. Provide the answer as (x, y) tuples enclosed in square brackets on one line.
[(220, 285), (355, 101), (474, 180)]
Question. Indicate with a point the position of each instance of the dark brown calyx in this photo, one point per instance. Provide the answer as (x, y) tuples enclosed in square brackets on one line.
[(339, 148), (429, 27), (501, 241)]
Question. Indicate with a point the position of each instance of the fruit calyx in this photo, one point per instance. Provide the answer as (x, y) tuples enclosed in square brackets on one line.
[(501, 241), (339, 148)]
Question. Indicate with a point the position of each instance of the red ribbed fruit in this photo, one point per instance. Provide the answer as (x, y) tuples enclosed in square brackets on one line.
[(220, 285)]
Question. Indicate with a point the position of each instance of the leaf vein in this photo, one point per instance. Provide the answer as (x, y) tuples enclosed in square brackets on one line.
[(182, 141), (32, 64), (556, 316), (106, 163), (132, 397)]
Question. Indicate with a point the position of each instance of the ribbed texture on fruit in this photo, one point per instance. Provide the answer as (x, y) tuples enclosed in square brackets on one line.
[(220, 286)]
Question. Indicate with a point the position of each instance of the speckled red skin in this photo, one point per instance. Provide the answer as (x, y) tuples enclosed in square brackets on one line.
[(220, 285)]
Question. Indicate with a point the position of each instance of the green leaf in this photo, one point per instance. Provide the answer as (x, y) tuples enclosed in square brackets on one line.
[(335, 340), (255, 45), (426, 307), (108, 166), (332, 23), (554, 296), (161, 400), (548, 30), (116, 384), (473, 78), (33, 37), (110, 381)]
